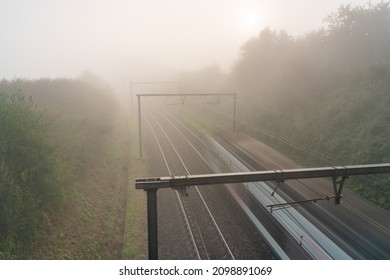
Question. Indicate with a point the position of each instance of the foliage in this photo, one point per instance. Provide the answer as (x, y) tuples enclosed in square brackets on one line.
[(27, 174), (326, 92), (61, 162)]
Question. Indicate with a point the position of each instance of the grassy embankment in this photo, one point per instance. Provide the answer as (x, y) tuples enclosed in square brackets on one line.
[(86, 144), (135, 232)]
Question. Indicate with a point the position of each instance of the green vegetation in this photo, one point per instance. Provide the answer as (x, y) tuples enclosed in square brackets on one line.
[(28, 191), (64, 163), (322, 98), (135, 238)]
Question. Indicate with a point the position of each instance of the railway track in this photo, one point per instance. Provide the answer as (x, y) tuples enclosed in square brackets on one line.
[(328, 220), (291, 224), (207, 239), (306, 234), (295, 249), (353, 225), (357, 226)]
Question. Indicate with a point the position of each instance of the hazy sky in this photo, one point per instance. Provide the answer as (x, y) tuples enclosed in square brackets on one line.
[(63, 38)]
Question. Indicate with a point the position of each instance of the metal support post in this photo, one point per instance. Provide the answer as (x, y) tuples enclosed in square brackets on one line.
[(235, 112), (337, 188), (139, 126), (152, 223), (276, 187)]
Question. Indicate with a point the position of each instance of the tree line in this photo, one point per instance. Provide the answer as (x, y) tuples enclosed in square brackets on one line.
[(327, 91)]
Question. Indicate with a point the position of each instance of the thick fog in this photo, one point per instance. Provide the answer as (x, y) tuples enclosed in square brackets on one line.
[(140, 39)]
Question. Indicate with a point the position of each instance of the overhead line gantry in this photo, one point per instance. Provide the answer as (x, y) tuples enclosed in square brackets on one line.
[(183, 95), (154, 83), (338, 174)]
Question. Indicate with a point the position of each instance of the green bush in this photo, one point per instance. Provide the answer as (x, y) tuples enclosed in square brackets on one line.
[(28, 189)]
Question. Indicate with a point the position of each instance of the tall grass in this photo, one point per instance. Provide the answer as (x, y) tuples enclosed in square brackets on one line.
[(28, 189)]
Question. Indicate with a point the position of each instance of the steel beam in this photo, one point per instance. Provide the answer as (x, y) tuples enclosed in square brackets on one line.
[(152, 223), (187, 94), (139, 127), (151, 185), (235, 112), (270, 175)]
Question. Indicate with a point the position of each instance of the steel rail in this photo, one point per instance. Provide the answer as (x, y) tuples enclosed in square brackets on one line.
[(196, 188), (153, 251), (153, 246), (326, 196), (337, 172)]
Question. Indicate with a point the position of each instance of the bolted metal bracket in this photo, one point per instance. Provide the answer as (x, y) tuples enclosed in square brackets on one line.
[(183, 191), (278, 182), (338, 184)]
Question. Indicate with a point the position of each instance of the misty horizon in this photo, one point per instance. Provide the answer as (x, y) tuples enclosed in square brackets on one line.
[(100, 99), (141, 40)]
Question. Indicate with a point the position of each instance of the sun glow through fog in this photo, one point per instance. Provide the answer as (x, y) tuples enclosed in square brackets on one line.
[(250, 20)]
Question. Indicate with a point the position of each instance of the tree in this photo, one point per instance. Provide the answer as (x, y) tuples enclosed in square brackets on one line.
[(27, 174)]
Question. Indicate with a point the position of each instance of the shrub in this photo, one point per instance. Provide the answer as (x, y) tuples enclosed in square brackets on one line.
[(28, 186)]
